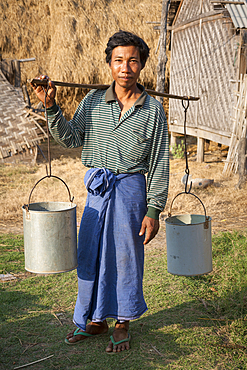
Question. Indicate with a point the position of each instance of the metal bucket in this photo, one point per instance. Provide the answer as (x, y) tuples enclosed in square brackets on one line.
[(50, 237), (189, 243)]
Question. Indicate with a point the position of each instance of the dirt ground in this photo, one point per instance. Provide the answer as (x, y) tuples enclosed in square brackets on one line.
[(224, 203)]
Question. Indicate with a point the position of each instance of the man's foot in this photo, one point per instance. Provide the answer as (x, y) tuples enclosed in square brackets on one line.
[(93, 328), (120, 333)]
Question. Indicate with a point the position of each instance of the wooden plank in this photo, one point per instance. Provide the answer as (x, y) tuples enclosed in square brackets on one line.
[(206, 17), (227, 2), (209, 135), (199, 131)]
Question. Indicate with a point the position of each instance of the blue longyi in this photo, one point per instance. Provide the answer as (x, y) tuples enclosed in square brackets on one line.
[(110, 250)]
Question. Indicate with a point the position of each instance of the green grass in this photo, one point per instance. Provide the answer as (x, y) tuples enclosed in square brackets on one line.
[(192, 322)]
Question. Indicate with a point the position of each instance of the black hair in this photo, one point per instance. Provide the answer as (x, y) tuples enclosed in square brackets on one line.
[(124, 38)]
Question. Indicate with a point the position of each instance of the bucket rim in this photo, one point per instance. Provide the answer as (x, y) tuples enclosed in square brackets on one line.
[(201, 273), (68, 208), (51, 272), (209, 219)]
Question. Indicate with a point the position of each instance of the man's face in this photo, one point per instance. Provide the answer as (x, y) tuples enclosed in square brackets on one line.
[(125, 66)]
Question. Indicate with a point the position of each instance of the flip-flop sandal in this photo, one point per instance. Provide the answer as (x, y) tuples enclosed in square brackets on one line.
[(116, 343), (76, 332)]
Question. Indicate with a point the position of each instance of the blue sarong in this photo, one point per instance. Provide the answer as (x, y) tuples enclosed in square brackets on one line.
[(110, 250)]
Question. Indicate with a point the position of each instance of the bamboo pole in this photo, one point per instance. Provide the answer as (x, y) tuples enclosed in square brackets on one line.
[(44, 82)]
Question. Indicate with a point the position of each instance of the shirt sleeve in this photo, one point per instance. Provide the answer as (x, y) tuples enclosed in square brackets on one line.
[(69, 134), (158, 174)]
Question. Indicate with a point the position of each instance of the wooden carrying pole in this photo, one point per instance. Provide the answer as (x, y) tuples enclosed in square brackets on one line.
[(44, 82)]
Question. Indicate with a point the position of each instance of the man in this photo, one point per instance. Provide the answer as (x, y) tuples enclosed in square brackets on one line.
[(123, 134)]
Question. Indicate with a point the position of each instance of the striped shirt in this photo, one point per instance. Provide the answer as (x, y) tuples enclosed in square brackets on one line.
[(137, 142)]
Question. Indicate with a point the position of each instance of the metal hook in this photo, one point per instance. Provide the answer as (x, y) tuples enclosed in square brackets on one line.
[(187, 171), (47, 128), (186, 98)]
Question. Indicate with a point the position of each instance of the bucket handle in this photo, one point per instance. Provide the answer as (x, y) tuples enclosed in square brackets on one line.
[(184, 192), (56, 177)]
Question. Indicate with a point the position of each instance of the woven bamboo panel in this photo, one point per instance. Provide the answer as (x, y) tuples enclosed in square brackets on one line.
[(189, 9), (207, 6), (218, 65), (17, 131)]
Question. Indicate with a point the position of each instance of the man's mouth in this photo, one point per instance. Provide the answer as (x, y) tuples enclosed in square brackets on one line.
[(125, 77)]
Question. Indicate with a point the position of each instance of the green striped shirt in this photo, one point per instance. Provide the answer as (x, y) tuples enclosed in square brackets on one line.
[(138, 142)]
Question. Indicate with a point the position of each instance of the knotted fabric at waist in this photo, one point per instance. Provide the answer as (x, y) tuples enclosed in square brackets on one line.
[(98, 180)]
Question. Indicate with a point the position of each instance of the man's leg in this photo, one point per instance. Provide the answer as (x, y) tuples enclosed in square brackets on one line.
[(120, 333), (93, 328)]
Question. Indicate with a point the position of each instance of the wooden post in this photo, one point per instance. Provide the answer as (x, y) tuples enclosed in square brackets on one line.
[(17, 72), (241, 162), (200, 149), (26, 95), (200, 141), (173, 140), (162, 59)]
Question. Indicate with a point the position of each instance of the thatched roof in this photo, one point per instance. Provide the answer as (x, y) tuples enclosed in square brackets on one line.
[(19, 127)]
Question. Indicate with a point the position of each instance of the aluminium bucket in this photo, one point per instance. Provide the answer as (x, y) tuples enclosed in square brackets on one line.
[(50, 237), (189, 243)]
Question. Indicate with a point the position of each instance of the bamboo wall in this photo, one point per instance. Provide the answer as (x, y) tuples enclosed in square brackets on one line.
[(206, 73)]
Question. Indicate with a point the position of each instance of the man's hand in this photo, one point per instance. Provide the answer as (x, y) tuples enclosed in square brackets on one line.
[(151, 227), (39, 91)]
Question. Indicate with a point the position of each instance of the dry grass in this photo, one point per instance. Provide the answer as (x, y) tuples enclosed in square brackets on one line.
[(226, 205), (16, 183), (68, 39)]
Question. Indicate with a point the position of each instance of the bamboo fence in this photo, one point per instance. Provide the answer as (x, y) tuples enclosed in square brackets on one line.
[(239, 127)]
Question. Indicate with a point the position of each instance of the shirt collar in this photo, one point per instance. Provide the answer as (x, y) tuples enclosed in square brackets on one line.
[(109, 96)]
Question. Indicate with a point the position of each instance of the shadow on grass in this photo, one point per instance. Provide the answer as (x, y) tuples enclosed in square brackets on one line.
[(193, 322), (176, 337)]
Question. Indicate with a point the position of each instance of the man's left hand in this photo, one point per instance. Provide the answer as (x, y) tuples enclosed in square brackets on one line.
[(151, 227)]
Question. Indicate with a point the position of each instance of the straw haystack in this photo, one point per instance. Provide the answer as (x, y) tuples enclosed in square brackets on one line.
[(68, 40), (208, 55)]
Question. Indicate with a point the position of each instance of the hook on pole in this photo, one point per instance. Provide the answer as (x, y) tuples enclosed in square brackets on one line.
[(185, 104), (47, 128)]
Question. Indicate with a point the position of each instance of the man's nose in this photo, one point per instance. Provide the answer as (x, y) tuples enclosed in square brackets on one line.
[(125, 66)]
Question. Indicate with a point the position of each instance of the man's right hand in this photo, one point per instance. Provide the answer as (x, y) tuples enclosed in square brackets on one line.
[(39, 91)]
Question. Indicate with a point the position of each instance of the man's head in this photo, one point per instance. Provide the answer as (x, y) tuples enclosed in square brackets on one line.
[(124, 38)]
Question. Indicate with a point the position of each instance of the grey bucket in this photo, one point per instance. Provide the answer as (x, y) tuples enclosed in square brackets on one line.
[(50, 237), (189, 243)]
